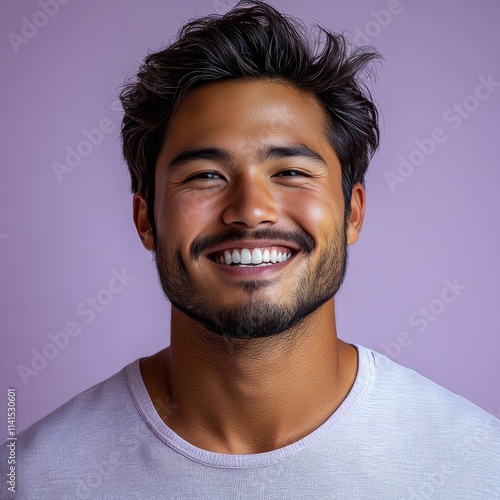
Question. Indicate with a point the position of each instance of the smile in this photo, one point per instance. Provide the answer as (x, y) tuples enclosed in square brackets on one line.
[(252, 257)]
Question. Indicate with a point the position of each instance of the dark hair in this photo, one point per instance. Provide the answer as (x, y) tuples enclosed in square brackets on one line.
[(251, 41)]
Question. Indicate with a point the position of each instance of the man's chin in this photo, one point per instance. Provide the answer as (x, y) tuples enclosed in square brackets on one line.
[(257, 319)]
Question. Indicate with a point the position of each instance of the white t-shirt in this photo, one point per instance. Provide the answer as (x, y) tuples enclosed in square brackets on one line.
[(397, 435)]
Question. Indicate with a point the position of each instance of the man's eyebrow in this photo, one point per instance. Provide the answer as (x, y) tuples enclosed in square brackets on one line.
[(268, 152), (291, 151), (193, 154)]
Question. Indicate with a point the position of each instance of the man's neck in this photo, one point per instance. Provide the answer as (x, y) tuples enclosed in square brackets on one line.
[(243, 397)]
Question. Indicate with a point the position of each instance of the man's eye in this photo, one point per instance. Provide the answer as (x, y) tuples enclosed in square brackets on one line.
[(204, 175), (291, 173)]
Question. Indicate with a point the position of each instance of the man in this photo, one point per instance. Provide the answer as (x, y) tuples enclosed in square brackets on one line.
[(247, 147)]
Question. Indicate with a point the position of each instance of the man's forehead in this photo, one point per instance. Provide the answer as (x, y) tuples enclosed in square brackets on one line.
[(253, 100), (248, 117)]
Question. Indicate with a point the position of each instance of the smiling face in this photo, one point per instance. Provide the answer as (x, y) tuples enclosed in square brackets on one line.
[(249, 209)]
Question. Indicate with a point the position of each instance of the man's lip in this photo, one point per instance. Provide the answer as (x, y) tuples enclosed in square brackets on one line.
[(252, 244)]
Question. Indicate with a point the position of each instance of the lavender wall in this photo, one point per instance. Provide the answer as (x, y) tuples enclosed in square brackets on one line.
[(431, 222)]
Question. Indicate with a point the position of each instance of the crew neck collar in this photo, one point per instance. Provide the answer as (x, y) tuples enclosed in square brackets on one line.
[(150, 416)]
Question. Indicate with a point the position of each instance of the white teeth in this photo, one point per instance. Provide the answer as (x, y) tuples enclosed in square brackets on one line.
[(236, 257), (256, 256), (246, 256)]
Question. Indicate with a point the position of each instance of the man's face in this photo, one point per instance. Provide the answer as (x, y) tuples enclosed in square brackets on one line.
[(249, 208)]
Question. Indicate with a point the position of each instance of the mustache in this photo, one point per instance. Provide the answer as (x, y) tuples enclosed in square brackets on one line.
[(300, 237)]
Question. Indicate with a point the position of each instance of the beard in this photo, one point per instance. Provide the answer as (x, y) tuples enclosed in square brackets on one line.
[(257, 316)]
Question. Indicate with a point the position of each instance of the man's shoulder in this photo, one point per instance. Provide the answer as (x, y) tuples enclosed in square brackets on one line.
[(412, 402), (401, 379), (82, 417), (66, 450)]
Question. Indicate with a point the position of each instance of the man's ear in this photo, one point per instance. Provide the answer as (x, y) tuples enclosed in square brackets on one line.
[(358, 204), (141, 221)]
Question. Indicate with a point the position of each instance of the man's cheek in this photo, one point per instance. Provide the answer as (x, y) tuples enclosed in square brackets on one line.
[(190, 208), (315, 214)]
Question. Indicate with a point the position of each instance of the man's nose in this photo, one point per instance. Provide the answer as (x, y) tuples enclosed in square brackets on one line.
[(250, 203)]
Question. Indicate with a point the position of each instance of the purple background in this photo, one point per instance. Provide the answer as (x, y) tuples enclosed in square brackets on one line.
[(60, 241)]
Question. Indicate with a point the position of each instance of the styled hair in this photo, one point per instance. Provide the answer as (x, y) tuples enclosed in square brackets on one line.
[(251, 41)]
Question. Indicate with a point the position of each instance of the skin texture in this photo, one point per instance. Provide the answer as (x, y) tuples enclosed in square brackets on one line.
[(249, 395)]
